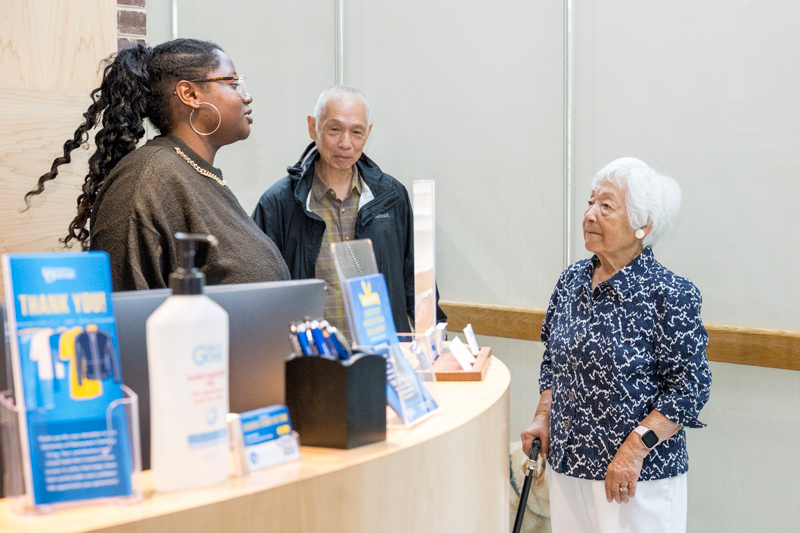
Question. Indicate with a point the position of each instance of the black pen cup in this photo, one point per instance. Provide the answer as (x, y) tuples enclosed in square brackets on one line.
[(335, 405)]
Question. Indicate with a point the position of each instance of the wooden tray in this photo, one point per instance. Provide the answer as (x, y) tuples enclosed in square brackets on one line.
[(448, 369)]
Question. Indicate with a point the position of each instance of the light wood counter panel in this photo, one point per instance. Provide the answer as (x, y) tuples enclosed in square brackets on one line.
[(449, 473)]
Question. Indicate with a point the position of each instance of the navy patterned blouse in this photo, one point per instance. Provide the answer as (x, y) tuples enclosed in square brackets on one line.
[(612, 355)]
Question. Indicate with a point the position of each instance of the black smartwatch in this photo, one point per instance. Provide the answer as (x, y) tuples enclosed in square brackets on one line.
[(649, 437)]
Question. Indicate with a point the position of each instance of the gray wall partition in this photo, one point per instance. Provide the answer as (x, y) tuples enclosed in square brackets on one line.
[(511, 107)]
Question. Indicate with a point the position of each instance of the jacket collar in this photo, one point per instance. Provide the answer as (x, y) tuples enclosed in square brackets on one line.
[(302, 175)]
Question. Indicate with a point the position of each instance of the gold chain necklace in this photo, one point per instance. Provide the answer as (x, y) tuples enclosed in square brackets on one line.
[(199, 169)]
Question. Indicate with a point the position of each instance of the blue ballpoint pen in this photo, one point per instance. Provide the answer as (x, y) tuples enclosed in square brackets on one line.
[(319, 339), (336, 338), (302, 339)]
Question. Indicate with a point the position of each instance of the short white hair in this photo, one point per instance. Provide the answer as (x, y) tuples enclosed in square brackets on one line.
[(650, 197), (337, 91)]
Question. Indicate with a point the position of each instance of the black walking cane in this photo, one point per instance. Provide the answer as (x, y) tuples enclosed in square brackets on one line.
[(530, 465)]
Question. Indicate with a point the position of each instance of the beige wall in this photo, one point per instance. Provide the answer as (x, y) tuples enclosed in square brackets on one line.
[(49, 56)]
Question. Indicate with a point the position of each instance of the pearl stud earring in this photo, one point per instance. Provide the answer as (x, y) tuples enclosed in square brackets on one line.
[(639, 234)]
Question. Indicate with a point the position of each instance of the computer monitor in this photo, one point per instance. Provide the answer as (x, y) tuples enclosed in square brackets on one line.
[(259, 316)]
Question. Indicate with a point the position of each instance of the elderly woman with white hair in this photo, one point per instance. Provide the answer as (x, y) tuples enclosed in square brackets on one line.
[(624, 369)]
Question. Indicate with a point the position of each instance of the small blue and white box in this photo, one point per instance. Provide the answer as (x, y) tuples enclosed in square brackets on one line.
[(261, 438)]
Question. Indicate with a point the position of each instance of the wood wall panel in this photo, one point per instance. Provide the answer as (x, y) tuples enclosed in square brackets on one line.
[(35, 126), (55, 45), (769, 348), (50, 53), (494, 320)]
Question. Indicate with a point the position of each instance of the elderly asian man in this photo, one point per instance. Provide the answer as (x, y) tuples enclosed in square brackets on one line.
[(336, 193)]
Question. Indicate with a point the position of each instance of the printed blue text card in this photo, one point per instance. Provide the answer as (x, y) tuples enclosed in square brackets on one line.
[(66, 366), (266, 438), (373, 327)]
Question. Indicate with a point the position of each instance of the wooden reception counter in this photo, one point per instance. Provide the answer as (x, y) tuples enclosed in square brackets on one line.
[(448, 473)]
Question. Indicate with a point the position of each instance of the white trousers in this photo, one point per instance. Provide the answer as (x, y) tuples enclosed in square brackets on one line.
[(580, 505)]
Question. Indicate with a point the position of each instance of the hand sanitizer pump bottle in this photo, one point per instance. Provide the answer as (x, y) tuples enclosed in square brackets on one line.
[(187, 356)]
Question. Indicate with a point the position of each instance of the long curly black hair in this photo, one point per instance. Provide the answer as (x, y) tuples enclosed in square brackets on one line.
[(138, 83)]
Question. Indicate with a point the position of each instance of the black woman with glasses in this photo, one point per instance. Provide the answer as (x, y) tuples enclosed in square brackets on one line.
[(136, 199)]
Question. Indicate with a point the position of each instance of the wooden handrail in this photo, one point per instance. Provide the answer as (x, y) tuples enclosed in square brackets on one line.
[(771, 348)]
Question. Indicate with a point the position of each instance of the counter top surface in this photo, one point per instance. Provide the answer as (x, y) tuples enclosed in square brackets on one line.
[(460, 402)]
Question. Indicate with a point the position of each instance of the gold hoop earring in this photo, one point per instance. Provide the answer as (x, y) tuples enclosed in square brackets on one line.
[(219, 122)]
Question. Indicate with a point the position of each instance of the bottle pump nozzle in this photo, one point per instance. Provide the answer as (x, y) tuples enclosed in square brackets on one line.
[(187, 279)]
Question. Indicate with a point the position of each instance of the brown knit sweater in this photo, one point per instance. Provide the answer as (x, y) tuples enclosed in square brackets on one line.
[(153, 193)]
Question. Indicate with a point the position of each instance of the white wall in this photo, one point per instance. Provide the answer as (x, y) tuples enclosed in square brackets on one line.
[(705, 92), (473, 98), (285, 51), (471, 94), (744, 470)]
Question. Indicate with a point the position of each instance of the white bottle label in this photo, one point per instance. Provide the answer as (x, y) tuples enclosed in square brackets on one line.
[(207, 385)]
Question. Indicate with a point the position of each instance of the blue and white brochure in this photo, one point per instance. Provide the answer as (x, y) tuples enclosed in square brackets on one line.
[(261, 438), (66, 369), (373, 327)]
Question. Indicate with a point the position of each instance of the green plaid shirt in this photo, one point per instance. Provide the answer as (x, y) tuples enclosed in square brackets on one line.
[(340, 225)]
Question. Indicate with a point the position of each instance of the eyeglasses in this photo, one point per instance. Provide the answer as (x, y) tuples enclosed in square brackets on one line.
[(239, 85)]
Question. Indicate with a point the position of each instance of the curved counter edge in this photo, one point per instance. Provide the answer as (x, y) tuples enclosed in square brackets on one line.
[(448, 473)]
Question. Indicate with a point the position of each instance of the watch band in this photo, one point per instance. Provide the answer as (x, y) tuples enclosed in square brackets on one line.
[(649, 437)]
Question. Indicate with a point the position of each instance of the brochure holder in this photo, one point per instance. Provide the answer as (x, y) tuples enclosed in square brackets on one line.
[(336, 404), (411, 380), (353, 259), (418, 350), (10, 443)]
